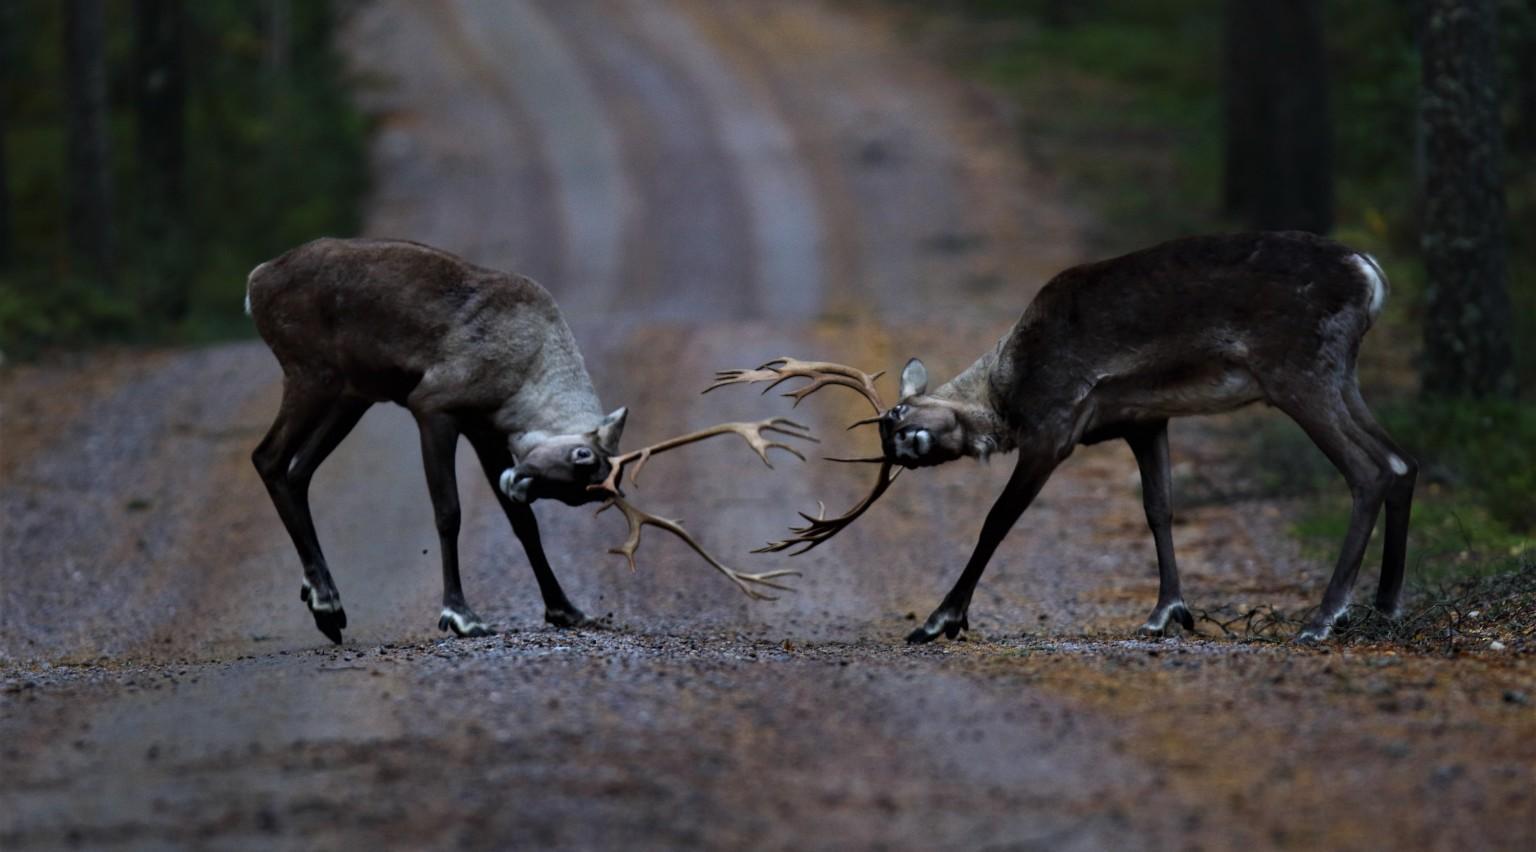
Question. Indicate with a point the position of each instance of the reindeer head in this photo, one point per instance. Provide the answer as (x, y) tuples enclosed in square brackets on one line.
[(564, 467), (923, 430)]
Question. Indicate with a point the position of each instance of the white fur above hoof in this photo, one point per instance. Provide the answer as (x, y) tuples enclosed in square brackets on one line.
[(462, 624), (1175, 613)]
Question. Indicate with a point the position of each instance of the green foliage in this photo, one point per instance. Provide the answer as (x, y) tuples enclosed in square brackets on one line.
[(1473, 509), (275, 155)]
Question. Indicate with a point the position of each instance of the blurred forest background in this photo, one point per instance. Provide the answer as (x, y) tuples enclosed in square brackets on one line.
[(155, 150)]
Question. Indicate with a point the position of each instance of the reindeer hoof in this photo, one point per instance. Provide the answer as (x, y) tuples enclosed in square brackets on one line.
[(940, 623), (463, 622), (1313, 634), (330, 622), (330, 618), (1320, 627), (566, 617), (1157, 624)]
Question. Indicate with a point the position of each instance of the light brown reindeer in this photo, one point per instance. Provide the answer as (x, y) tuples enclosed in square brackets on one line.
[(1113, 350), (469, 351)]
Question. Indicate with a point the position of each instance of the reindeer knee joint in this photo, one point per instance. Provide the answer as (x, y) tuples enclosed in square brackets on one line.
[(267, 464)]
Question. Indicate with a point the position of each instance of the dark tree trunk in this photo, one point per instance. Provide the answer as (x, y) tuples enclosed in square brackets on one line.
[(1279, 149), (160, 87), (1466, 324), (279, 36), (7, 67), (5, 196), (88, 170), (1523, 133)]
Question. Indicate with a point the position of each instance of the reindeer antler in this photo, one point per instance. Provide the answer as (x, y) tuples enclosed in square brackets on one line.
[(821, 527), (821, 374), (755, 434), (638, 519), (752, 433)]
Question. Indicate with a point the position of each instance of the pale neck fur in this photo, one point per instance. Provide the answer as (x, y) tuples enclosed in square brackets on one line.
[(978, 404), (557, 397)]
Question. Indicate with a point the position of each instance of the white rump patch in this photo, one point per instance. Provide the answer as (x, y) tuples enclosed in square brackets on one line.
[(1371, 271), (259, 267), (1397, 465)]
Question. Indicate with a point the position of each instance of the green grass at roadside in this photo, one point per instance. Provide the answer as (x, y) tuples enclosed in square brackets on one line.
[(1473, 509)]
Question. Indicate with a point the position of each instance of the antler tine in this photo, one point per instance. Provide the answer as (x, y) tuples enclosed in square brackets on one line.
[(821, 374), (751, 432), (821, 528), (637, 519)]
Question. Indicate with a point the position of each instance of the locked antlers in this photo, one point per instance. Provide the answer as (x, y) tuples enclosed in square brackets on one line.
[(820, 374), (638, 519), (755, 434), (752, 433)]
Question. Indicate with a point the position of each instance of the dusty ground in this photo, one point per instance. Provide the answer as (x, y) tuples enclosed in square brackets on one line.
[(702, 185)]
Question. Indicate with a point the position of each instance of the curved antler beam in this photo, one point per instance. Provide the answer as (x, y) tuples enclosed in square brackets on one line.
[(754, 433), (820, 373), (638, 519)]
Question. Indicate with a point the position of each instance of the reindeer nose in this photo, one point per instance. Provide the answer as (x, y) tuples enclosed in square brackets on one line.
[(515, 486), (913, 442)]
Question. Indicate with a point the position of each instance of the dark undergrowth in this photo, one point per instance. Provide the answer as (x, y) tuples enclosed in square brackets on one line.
[(1491, 608)]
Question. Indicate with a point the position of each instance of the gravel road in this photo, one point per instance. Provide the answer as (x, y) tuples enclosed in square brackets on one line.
[(701, 185)]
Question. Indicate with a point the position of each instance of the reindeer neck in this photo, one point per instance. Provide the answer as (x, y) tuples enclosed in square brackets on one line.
[(557, 396), (978, 403)]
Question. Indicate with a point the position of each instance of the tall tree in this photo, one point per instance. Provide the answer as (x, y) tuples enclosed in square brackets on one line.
[(87, 170), (1467, 348), (5, 191), (7, 65), (1279, 149), (160, 86)]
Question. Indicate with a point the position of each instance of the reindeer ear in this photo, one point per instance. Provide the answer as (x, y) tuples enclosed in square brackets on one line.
[(611, 429), (914, 379)]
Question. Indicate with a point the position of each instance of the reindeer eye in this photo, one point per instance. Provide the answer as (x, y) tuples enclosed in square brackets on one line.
[(582, 455), (897, 413)]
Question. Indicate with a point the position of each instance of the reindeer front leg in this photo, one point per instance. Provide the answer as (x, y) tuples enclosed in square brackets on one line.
[(1150, 445), (491, 449), (1029, 476), (439, 439)]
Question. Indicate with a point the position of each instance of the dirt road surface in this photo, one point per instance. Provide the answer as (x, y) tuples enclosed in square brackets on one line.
[(701, 185)]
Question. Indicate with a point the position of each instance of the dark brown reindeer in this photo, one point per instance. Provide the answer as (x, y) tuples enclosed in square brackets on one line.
[(1113, 350), (469, 351)]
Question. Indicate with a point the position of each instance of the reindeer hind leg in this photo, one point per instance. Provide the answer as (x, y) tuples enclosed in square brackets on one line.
[(1399, 500), (1326, 419), (310, 422)]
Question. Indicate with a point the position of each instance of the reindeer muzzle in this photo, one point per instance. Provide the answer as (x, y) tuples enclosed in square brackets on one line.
[(515, 487)]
